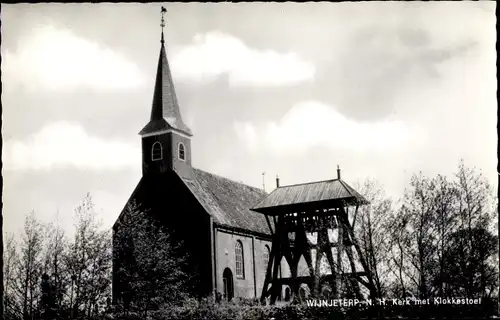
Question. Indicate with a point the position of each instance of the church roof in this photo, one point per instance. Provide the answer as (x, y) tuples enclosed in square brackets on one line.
[(165, 112), (311, 192), (227, 201)]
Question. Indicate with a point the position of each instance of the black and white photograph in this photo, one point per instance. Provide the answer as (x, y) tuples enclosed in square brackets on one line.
[(253, 160)]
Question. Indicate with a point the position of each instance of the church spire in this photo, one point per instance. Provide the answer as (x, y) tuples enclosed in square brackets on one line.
[(165, 112)]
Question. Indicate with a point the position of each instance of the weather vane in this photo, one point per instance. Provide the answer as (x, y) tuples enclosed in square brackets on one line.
[(163, 11)]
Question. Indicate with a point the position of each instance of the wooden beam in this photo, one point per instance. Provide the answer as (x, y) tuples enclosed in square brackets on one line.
[(353, 268), (332, 244), (300, 249), (309, 280), (296, 207), (272, 259), (340, 250), (323, 246), (269, 225), (307, 254), (278, 255), (350, 230), (355, 214), (363, 282), (317, 267), (333, 269), (290, 281), (285, 246)]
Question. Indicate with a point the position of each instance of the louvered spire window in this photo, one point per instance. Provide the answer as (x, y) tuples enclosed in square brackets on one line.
[(156, 151), (182, 152)]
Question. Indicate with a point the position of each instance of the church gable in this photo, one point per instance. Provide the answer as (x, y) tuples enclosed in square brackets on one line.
[(167, 198), (168, 201), (123, 214)]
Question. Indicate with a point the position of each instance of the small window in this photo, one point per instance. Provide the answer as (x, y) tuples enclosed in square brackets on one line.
[(157, 151), (240, 270), (182, 153), (267, 252)]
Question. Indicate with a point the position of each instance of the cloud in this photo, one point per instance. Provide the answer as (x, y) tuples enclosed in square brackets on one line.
[(214, 54), (309, 124), (381, 64), (246, 132), (55, 59), (67, 144)]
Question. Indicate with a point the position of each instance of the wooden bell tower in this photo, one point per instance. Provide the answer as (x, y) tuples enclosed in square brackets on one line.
[(312, 221)]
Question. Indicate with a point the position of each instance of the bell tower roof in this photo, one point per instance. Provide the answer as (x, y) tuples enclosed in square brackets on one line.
[(165, 112)]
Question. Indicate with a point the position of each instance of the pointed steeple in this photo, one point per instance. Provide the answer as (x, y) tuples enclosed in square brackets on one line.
[(165, 112)]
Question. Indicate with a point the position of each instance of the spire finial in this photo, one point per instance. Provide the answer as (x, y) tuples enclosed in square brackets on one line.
[(163, 11)]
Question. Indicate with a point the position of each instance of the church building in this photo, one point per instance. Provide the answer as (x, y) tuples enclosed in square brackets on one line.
[(226, 237)]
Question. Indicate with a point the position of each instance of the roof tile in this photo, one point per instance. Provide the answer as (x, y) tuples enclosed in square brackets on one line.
[(310, 192), (228, 201), (165, 113)]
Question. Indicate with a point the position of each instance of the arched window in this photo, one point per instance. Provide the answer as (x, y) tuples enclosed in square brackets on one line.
[(156, 151), (240, 269), (267, 252), (182, 153)]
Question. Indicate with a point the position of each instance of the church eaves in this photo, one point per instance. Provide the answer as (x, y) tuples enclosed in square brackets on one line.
[(165, 112)]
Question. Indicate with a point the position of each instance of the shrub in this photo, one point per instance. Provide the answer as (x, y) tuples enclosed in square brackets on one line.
[(244, 309)]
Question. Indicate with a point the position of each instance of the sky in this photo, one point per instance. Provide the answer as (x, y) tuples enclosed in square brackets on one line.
[(382, 89)]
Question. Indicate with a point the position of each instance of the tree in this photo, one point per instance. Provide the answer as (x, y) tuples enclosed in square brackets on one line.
[(399, 242), (474, 219), (441, 240), (99, 276), (12, 308), (480, 263), (150, 262), (46, 275), (88, 261), (420, 206), (475, 199), (28, 268), (54, 266), (47, 301), (371, 229), (445, 199)]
